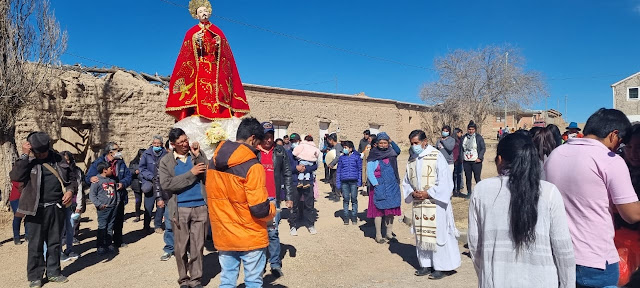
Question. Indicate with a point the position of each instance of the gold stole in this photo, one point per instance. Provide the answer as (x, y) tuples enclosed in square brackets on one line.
[(424, 212)]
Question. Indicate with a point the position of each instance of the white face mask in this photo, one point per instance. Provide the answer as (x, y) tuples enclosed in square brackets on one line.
[(417, 149), (117, 155)]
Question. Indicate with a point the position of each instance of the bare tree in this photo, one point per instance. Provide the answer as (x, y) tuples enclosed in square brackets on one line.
[(474, 84), (30, 42)]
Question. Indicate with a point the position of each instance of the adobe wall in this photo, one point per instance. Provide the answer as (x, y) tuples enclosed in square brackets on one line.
[(82, 112)]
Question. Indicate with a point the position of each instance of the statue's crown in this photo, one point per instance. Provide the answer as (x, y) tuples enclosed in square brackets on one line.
[(195, 4)]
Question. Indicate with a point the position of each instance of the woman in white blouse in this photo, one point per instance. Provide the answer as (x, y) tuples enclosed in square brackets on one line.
[(518, 232)]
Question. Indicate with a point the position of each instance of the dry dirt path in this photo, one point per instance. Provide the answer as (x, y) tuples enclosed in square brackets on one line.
[(338, 256)]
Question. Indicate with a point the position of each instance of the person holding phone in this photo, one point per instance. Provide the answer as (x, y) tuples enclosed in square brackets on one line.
[(48, 184)]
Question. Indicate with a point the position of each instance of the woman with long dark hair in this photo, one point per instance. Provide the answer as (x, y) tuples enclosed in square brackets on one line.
[(556, 134), (72, 213), (457, 163), (531, 247), (544, 143)]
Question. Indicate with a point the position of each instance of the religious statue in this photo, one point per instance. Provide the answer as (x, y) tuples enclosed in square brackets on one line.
[(205, 80)]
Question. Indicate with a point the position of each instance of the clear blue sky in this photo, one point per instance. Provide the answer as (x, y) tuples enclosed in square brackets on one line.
[(581, 47)]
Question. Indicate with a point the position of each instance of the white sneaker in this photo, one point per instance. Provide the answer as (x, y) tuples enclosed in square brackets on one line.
[(312, 230), (293, 231)]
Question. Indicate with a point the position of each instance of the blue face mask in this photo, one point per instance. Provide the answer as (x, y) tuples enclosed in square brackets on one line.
[(445, 134), (294, 145), (417, 149), (157, 149), (345, 151)]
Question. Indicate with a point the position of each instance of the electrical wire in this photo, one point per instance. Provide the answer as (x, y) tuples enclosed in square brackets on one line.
[(312, 42)]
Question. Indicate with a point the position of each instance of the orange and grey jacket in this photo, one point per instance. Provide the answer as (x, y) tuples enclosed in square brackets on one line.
[(237, 198)]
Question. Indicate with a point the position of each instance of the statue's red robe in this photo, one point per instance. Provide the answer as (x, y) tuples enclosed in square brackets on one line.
[(205, 81)]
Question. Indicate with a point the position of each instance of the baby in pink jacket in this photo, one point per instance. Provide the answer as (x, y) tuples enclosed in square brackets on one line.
[(307, 154)]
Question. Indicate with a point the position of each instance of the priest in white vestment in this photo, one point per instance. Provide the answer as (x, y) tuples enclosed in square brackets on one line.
[(428, 186)]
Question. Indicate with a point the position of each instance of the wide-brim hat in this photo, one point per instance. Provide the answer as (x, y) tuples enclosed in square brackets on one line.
[(40, 142), (573, 125)]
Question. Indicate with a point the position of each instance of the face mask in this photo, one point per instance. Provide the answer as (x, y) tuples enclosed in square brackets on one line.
[(157, 149), (445, 134), (294, 145), (417, 149), (117, 155), (345, 151)]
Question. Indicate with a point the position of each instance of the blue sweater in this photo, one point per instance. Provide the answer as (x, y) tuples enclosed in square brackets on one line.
[(192, 195), (349, 169)]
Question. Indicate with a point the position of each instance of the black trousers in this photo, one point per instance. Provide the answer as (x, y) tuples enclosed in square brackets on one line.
[(326, 172), (138, 195), (332, 182), (47, 226), (469, 168), (117, 225), (303, 209)]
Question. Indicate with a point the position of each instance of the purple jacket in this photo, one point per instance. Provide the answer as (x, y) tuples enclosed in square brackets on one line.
[(349, 169)]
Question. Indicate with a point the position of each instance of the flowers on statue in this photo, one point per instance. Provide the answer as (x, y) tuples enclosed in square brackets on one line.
[(215, 134)]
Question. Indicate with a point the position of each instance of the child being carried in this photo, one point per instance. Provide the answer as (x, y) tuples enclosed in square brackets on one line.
[(307, 154)]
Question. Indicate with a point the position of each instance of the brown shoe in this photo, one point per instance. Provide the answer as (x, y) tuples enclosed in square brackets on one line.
[(159, 230)]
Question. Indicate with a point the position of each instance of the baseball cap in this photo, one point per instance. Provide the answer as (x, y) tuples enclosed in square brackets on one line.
[(294, 136), (268, 127)]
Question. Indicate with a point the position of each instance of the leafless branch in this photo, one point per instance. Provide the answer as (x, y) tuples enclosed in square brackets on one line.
[(474, 84)]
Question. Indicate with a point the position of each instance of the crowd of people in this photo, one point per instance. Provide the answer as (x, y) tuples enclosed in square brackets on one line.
[(546, 220)]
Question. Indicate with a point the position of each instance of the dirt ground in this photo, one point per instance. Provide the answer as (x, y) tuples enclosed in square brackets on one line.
[(338, 256)]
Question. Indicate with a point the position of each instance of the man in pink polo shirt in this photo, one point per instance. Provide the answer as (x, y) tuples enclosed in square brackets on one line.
[(594, 181)]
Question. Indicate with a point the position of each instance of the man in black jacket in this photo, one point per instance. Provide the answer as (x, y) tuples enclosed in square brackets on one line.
[(275, 160), (364, 142), (49, 183)]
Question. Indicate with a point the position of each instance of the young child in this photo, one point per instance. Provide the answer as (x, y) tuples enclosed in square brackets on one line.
[(348, 179), (103, 195), (307, 154)]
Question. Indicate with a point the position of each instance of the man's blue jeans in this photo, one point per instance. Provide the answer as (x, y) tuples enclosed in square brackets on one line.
[(350, 193), (594, 277), (274, 238), (253, 262), (168, 232)]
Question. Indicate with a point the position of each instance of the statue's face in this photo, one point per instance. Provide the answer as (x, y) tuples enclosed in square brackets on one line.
[(203, 14)]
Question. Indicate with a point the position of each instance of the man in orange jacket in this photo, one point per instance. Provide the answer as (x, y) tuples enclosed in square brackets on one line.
[(239, 208)]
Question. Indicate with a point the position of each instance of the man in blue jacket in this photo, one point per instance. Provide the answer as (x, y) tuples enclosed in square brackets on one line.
[(150, 184), (112, 155)]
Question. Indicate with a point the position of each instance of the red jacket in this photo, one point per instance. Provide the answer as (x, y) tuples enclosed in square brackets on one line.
[(16, 190)]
